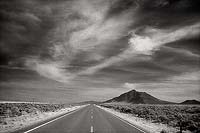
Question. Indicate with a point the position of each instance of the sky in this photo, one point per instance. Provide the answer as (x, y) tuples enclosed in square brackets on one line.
[(78, 50)]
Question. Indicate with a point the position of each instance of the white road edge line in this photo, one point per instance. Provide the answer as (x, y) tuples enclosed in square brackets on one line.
[(91, 129), (52, 120), (125, 121)]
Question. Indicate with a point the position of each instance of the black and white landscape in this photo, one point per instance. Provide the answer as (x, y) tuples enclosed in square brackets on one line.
[(60, 56)]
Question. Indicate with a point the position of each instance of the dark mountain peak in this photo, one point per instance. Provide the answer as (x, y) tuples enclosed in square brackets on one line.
[(132, 91), (136, 97), (191, 102)]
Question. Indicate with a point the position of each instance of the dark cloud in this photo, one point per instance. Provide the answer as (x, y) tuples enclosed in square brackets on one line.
[(167, 13), (17, 74), (24, 25), (191, 44), (177, 59), (119, 6)]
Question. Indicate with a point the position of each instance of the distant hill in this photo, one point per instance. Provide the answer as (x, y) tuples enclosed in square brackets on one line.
[(136, 97), (190, 102)]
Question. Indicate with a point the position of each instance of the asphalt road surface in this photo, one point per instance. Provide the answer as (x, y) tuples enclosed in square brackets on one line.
[(89, 119)]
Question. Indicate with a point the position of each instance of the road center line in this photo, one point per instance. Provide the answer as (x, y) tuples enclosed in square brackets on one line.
[(91, 129), (91, 117)]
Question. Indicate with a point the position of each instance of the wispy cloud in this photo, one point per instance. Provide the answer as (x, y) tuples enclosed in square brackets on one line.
[(52, 70), (130, 86), (186, 77), (153, 38), (98, 30)]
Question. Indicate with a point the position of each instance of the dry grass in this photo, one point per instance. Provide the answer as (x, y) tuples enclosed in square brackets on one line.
[(188, 116), (14, 116)]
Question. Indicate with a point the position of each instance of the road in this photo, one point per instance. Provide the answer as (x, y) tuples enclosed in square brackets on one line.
[(89, 119)]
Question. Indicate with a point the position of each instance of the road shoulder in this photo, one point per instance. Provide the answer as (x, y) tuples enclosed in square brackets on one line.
[(144, 125), (29, 121)]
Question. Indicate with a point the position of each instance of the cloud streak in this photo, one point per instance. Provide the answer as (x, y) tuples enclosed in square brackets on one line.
[(51, 70), (155, 38)]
